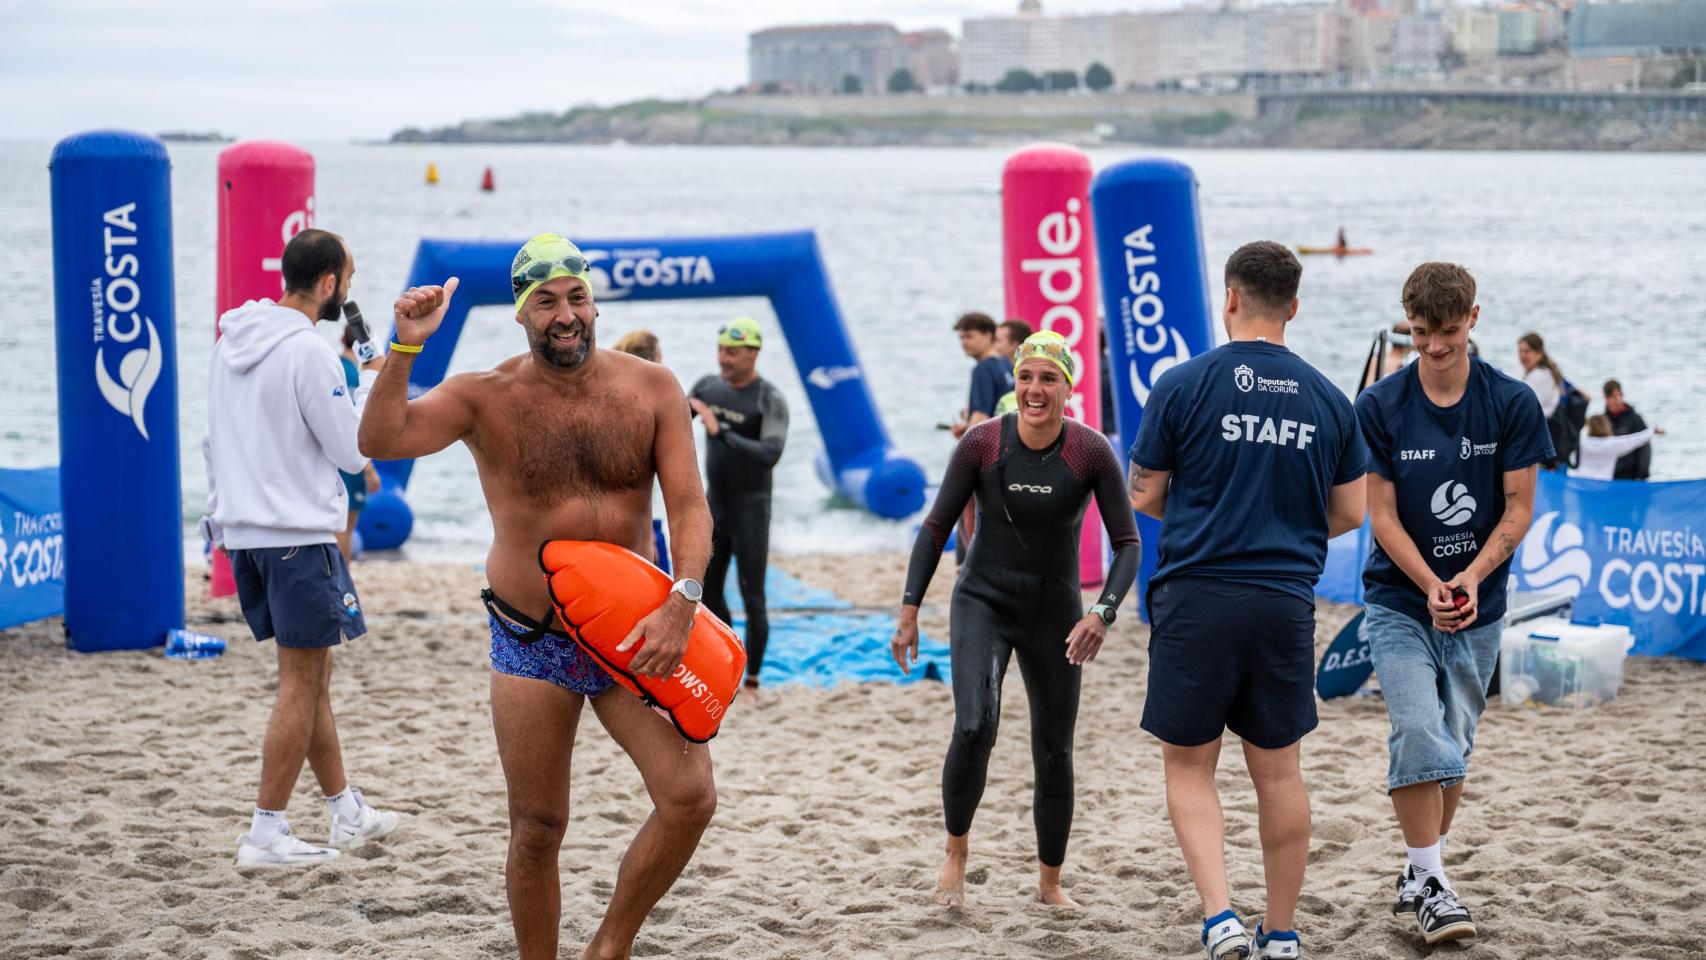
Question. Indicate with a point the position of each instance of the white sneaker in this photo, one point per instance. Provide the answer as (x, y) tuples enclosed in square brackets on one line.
[(282, 850), (1224, 937), (369, 824)]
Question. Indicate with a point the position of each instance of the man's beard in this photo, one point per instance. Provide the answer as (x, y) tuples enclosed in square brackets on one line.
[(333, 309), (565, 357)]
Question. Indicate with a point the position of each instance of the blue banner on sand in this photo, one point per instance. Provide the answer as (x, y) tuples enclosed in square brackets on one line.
[(32, 546), (1629, 552)]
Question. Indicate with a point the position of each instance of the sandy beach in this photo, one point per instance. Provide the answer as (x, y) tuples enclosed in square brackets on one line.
[(125, 779)]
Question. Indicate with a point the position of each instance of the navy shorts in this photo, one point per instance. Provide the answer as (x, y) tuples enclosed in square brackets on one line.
[(301, 595), (1229, 656)]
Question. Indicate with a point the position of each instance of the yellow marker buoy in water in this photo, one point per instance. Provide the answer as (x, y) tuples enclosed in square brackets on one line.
[(432, 174)]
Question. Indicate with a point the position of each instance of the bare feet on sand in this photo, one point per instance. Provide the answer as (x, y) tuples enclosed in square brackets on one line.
[(1048, 888), (951, 888)]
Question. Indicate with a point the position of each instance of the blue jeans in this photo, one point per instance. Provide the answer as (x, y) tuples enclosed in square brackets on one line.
[(1435, 685)]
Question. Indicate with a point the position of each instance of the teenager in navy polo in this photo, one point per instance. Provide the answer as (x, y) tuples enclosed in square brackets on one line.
[(1252, 460), (1453, 447)]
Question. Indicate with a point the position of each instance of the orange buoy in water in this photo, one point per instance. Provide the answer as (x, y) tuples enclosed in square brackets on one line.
[(486, 182), (432, 174)]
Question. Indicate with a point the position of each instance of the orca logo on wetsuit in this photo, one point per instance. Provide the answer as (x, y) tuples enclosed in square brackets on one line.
[(1028, 488)]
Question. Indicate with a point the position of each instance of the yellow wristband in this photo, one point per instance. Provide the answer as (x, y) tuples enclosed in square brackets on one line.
[(405, 348)]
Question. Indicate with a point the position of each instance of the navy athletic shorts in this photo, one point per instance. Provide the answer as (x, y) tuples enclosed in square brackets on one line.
[(302, 595), (1229, 656)]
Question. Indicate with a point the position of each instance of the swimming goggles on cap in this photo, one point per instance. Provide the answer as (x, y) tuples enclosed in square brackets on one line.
[(540, 270)]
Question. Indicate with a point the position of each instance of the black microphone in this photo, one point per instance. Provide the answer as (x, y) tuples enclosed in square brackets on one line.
[(364, 348)]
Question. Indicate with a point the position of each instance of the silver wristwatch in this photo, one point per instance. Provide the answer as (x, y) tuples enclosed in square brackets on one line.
[(689, 589)]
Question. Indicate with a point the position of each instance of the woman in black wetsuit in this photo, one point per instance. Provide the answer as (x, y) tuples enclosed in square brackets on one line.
[(1018, 592)]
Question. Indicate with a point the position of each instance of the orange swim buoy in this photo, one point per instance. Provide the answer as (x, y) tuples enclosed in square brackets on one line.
[(600, 590)]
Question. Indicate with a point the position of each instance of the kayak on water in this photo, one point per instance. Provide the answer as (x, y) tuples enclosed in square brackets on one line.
[(1338, 251)]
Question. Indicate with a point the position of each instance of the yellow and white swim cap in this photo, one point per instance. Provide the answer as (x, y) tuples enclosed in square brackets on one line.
[(546, 257), (1050, 346)]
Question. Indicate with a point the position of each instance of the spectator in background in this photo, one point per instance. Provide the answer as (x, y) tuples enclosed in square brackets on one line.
[(1600, 450), (1636, 464), (991, 380), (642, 344), (992, 376), (1398, 350), (1539, 372), (1008, 336), (1565, 407), (357, 485)]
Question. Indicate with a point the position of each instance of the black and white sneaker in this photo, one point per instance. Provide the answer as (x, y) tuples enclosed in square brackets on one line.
[(1440, 916), (1409, 893)]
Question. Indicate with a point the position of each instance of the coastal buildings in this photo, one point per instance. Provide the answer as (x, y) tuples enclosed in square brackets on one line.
[(1227, 45), (1193, 46), (1643, 28), (848, 58)]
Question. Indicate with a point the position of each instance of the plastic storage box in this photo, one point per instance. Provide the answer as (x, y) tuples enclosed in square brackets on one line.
[(1553, 662)]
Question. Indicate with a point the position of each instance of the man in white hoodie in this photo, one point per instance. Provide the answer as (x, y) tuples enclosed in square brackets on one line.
[(280, 427)]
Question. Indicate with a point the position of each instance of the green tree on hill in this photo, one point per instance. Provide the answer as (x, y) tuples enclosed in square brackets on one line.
[(901, 81), (850, 83), (1019, 81), (1060, 80), (1098, 77)]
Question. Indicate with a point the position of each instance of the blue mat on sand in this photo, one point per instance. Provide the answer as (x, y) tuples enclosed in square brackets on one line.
[(817, 639)]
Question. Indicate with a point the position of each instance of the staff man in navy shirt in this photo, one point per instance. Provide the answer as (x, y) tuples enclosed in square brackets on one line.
[(1253, 460), (1453, 445)]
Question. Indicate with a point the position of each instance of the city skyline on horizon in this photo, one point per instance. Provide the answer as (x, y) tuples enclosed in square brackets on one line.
[(326, 71)]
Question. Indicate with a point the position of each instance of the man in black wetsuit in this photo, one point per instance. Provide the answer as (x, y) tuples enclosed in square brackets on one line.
[(746, 423), (1032, 472)]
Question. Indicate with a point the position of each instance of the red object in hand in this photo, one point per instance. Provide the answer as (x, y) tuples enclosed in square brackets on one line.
[(1459, 597)]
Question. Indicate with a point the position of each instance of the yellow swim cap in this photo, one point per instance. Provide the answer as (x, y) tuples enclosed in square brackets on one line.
[(1049, 346), (546, 257), (740, 332), (1008, 403)]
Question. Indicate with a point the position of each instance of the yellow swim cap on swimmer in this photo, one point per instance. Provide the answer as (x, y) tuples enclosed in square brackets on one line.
[(1049, 346), (1008, 403), (740, 332), (546, 257)]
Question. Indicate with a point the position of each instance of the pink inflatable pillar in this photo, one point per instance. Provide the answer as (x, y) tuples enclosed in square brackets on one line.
[(266, 196), (1049, 263)]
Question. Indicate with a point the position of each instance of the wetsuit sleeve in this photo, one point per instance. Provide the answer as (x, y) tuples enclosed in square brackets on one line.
[(1120, 523), (772, 430), (958, 485)]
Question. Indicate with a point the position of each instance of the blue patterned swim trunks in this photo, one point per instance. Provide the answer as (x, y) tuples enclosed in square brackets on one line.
[(554, 658)]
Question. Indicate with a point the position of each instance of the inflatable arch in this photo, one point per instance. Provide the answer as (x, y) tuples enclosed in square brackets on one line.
[(858, 461)]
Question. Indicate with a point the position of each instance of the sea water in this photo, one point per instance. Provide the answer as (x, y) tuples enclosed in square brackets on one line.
[(1599, 252)]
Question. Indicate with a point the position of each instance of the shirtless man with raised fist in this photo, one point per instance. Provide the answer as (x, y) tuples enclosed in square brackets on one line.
[(567, 439)]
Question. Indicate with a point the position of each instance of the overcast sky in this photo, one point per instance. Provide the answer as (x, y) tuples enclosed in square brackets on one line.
[(317, 70)]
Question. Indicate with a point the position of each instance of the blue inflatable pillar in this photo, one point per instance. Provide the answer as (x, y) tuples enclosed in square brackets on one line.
[(858, 461), (118, 390), (1155, 292)]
